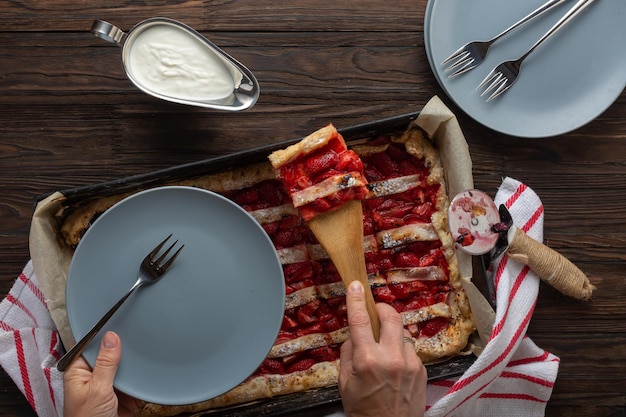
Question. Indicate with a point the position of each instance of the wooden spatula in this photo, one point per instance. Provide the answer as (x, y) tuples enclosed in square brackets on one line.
[(340, 232), (339, 229)]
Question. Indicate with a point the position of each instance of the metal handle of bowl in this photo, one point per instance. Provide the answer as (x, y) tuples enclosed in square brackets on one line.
[(108, 32)]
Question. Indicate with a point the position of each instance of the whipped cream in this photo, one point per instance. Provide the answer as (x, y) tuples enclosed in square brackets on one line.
[(172, 62)]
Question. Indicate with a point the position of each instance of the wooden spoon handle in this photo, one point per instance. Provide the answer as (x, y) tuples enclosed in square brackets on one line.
[(551, 266), (351, 267), (340, 233)]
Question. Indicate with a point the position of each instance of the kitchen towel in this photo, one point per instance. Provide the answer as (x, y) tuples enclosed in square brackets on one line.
[(30, 345), (512, 376)]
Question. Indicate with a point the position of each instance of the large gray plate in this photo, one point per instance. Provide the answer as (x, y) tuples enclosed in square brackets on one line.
[(567, 82), (209, 323)]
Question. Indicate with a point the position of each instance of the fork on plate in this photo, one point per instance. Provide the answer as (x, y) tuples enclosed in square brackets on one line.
[(472, 54), (502, 77), (152, 268)]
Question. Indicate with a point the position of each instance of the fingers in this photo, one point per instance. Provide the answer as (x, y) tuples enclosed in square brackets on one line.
[(77, 374), (391, 327), (77, 367), (108, 359), (408, 344), (413, 361), (358, 319), (385, 378), (392, 331), (346, 352)]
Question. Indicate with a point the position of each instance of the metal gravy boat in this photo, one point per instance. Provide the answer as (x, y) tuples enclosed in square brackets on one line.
[(171, 61)]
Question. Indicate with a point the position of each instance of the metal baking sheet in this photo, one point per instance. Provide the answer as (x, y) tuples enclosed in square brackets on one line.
[(311, 403), (324, 401), (79, 195)]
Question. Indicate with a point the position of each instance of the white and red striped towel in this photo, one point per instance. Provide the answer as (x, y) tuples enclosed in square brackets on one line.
[(30, 345), (512, 376)]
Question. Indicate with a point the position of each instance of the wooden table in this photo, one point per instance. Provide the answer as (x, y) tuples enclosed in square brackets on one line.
[(70, 117)]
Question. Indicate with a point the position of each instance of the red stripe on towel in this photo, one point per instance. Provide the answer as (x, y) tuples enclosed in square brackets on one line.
[(21, 360), (516, 194), (531, 222), (529, 378), (524, 397), (518, 333), (11, 299), (7, 328), (34, 289)]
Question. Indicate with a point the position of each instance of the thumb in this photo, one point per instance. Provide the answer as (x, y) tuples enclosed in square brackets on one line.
[(108, 359), (358, 319)]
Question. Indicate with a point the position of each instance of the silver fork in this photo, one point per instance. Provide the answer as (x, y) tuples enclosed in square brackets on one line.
[(150, 271), (470, 55), (502, 77)]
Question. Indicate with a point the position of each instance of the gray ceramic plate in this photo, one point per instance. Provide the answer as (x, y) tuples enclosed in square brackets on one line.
[(567, 82), (209, 323)]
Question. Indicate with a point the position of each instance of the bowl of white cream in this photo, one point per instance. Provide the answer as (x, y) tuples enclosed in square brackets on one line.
[(171, 61)]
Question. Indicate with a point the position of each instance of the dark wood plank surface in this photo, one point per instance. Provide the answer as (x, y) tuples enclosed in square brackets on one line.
[(70, 117)]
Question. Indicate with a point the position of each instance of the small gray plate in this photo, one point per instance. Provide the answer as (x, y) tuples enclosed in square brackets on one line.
[(209, 323), (564, 84)]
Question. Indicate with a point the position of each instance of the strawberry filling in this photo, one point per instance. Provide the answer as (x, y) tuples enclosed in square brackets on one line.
[(414, 204), (298, 362), (331, 160), (317, 316)]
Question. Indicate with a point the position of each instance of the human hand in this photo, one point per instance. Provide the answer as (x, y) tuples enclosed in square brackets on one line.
[(90, 393), (379, 379)]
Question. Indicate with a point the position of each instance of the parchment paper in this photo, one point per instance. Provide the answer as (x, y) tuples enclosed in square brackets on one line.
[(51, 257), (51, 260), (444, 129)]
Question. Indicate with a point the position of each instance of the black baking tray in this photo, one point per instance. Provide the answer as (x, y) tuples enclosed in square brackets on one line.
[(322, 401), (311, 403), (79, 195)]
